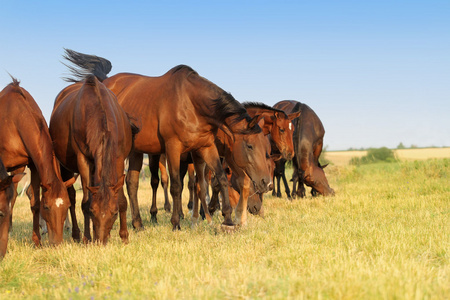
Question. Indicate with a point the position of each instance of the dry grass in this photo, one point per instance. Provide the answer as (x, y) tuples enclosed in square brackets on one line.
[(385, 235)]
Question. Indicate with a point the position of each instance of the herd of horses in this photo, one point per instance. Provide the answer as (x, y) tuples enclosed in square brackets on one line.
[(184, 122)]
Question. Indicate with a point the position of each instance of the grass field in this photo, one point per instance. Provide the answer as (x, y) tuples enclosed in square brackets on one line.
[(342, 158), (385, 235)]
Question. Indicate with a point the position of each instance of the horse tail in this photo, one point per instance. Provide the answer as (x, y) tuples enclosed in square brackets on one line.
[(86, 65)]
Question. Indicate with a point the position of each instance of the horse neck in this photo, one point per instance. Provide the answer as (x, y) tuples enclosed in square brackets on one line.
[(45, 162), (105, 161)]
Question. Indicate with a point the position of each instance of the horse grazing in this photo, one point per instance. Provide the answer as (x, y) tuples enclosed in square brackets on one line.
[(232, 153), (25, 141), (7, 194), (92, 136), (255, 199), (308, 143), (181, 112)]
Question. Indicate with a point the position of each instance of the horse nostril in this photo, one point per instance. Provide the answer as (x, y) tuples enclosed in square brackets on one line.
[(270, 186)]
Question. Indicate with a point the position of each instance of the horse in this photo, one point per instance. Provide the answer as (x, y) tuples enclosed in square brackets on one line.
[(276, 123), (181, 112), (255, 199), (25, 141), (92, 136), (232, 152), (308, 144), (7, 193)]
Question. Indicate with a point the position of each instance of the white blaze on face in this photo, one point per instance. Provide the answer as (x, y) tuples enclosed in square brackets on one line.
[(290, 126), (59, 202)]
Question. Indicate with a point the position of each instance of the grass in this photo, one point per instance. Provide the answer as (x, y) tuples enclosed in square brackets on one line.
[(384, 235)]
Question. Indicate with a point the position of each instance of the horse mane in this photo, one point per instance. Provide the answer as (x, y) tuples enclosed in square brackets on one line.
[(225, 106), (86, 65), (182, 67), (261, 105)]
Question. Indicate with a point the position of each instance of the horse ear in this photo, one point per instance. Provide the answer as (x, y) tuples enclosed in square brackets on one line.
[(71, 181), (93, 189), (254, 121), (276, 157), (294, 115), (324, 166), (119, 183)]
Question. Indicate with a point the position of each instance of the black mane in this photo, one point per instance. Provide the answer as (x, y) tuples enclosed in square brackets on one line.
[(226, 106), (85, 66), (262, 106)]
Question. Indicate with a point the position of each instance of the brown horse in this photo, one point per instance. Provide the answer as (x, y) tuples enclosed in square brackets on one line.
[(232, 153), (7, 194), (278, 124), (92, 136), (181, 112), (25, 141), (255, 198), (308, 143)]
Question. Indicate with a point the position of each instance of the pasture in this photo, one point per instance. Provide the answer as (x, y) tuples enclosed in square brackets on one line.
[(385, 235)]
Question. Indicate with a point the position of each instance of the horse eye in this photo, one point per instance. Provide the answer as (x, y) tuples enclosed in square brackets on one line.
[(281, 130), (250, 147), (46, 207)]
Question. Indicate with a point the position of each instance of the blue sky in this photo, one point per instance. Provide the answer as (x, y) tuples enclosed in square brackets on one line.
[(377, 73)]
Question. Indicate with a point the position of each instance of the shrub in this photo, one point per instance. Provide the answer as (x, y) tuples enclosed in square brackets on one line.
[(374, 155)]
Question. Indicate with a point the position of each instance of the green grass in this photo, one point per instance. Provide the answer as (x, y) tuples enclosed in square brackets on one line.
[(385, 235)]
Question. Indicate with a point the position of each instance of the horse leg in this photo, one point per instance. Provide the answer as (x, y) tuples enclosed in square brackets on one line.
[(13, 200), (301, 187), (35, 204), (123, 231), (134, 168), (211, 157), (214, 203), (154, 168), (201, 187), (66, 175), (241, 208), (84, 169), (165, 182), (191, 185), (183, 170), (286, 186), (274, 191), (173, 161)]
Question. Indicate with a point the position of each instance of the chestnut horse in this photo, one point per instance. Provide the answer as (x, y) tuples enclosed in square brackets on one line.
[(25, 141), (308, 143), (181, 112), (92, 136), (7, 194), (232, 151), (278, 124)]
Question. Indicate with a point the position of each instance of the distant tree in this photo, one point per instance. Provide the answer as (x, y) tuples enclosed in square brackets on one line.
[(401, 146)]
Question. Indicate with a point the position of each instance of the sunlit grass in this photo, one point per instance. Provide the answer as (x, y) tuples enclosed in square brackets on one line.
[(384, 235)]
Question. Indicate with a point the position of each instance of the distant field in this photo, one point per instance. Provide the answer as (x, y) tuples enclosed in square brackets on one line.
[(341, 158)]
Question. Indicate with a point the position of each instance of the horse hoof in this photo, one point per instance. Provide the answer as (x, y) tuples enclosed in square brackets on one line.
[(228, 228), (167, 208), (154, 220), (176, 227), (137, 225)]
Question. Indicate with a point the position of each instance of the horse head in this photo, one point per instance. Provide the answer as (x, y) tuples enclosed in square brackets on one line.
[(104, 208)]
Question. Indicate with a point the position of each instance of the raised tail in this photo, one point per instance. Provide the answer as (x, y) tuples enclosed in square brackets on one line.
[(86, 65)]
